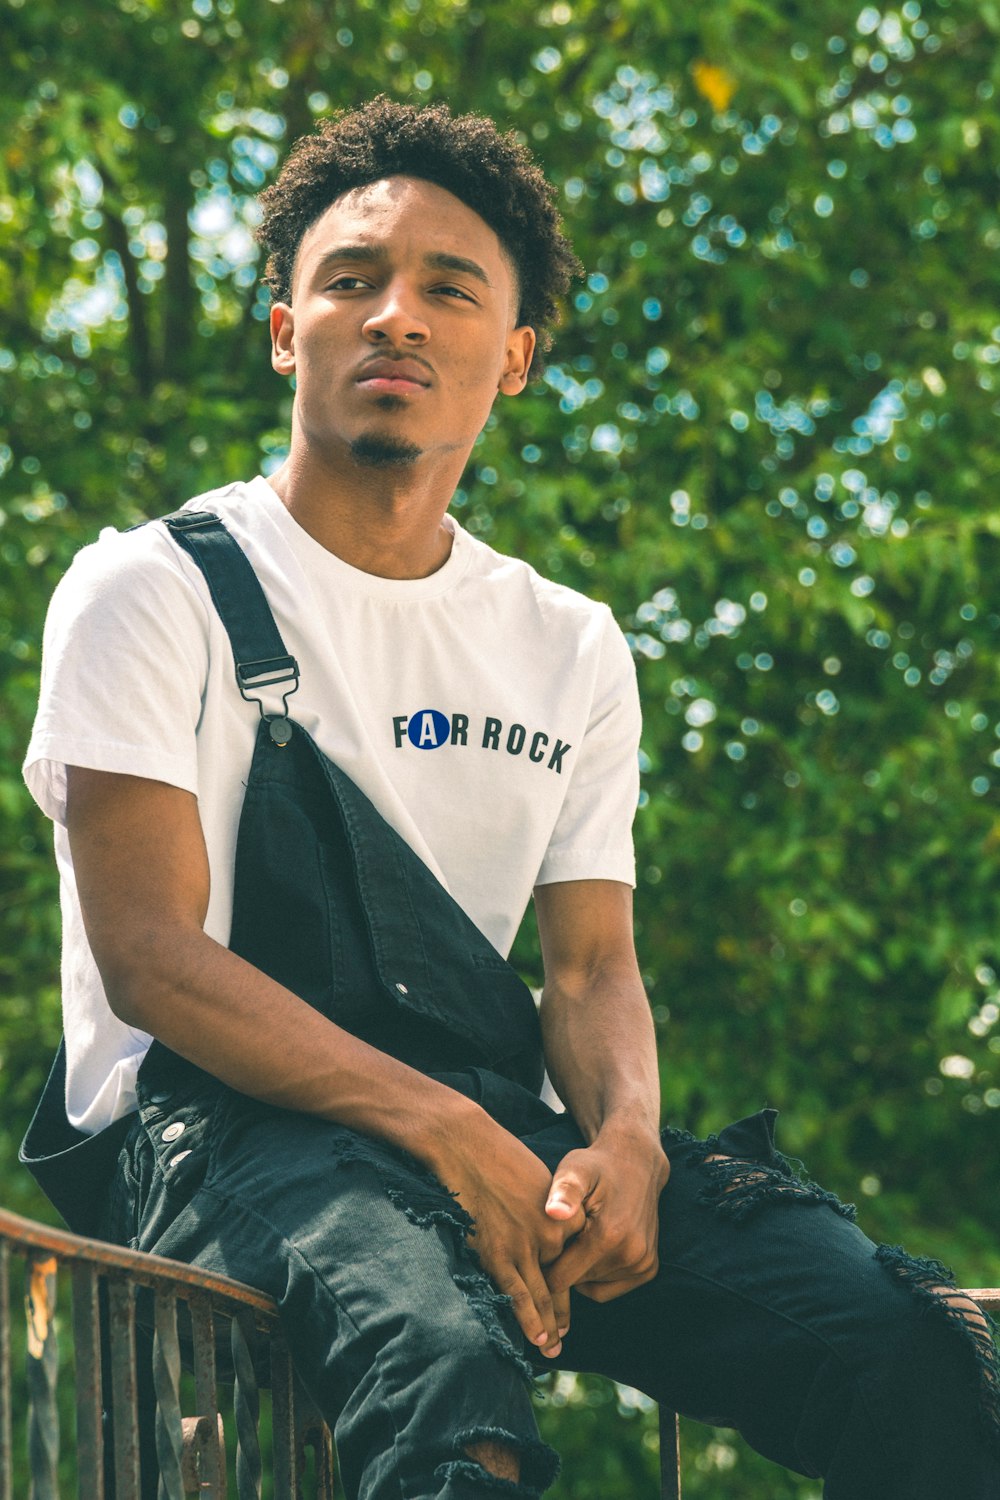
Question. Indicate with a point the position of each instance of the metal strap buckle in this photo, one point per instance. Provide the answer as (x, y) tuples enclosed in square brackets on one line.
[(192, 520), (269, 672)]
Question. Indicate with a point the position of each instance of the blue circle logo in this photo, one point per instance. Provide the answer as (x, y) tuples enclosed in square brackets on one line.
[(428, 729)]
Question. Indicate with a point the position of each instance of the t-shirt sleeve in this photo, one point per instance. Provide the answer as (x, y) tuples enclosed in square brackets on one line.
[(124, 664), (592, 839)]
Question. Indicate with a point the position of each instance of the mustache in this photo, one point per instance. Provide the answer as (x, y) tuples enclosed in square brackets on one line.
[(396, 358)]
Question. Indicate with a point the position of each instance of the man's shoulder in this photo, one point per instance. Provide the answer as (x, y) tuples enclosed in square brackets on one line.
[(237, 505), (125, 574), (518, 577), (146, 544)]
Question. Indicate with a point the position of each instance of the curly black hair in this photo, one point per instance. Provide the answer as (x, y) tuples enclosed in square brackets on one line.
[(492, 173)]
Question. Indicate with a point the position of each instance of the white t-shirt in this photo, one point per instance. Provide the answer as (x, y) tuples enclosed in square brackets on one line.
[(491, 716)]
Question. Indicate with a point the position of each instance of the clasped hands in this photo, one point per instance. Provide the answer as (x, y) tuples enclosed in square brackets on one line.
[(592, 1225)]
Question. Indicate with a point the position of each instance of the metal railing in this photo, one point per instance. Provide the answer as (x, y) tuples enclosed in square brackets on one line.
[(121, 1298), (128, 1294)]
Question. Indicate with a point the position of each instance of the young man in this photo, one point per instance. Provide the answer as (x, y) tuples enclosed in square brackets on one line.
[(272, 872)]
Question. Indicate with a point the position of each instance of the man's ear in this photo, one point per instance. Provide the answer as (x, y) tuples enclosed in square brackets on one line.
[(282, 339), (517, 361)]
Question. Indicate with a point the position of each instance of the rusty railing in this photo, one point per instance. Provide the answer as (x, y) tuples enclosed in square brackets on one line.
[(129, 1297)]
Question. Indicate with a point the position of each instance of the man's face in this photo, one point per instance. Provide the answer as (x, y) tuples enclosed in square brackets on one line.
[(402, 327)]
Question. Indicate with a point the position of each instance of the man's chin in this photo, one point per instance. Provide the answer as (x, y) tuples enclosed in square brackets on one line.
[(376, 450)]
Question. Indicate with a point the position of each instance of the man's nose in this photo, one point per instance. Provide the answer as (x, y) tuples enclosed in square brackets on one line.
[(396, 319)]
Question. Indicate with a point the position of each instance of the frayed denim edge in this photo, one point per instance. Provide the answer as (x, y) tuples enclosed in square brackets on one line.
[(408, 1184), (737, 1185), (921, 1275), (539, 1463), (486, 1302), (425, 1201)]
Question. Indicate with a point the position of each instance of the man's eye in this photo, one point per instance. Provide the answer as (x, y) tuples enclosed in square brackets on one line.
[(454, 291), (346, 283)]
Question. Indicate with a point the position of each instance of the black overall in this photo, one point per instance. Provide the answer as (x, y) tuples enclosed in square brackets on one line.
[(771, 1311)]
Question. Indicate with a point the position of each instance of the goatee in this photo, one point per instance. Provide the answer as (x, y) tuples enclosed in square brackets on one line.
[(378, 452)]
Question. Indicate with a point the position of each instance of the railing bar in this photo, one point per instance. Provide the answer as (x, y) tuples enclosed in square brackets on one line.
[(246, 1406), (206, 1389), (283, 1420), (670, 1455), (146, 1270), (87, 1362), (43, 1368), (312, 1432), (6, 1492), (167, 1383), (124, 1414), (323, 1448), (987, 1297), (203, 1333)]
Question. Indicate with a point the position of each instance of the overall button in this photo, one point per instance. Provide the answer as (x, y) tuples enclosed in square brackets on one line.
[(173, 1131), (179, 1157), (401, 987)]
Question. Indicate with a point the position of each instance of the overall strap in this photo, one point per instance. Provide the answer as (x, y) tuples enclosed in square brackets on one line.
[(258, 650)]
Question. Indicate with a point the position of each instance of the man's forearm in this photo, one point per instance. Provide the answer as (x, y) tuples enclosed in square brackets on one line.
[(602, 1059), (600, 1050), (221, 1013)]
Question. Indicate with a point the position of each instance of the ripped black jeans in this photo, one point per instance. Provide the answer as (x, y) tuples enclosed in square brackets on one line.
[(771, 1313)]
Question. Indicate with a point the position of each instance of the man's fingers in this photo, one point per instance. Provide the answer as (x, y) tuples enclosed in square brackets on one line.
[(576, 1261), (565, 1202), (560, 1307), (596, 1259), (534, 1310), (568, 1193)]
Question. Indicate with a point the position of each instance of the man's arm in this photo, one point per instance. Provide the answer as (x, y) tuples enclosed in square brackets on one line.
[(143, 879), (600, 1051)]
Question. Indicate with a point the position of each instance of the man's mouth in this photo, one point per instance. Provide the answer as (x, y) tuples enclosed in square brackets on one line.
[(393, 377)]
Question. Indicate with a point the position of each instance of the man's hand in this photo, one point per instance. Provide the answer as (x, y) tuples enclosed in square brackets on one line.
[(504, 1186), (617, 1185)]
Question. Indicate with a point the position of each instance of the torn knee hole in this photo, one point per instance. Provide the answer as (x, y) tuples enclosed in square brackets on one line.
[(747, 1174), (500, 1462), (933, 1285), (496, 1458), (738, 1186), (963, 1307), (744, 1178)]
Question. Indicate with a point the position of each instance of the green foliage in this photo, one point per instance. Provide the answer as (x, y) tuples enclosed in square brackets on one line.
[(767, 438)]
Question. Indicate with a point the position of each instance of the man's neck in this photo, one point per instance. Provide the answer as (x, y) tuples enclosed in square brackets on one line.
[(388, 521)]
